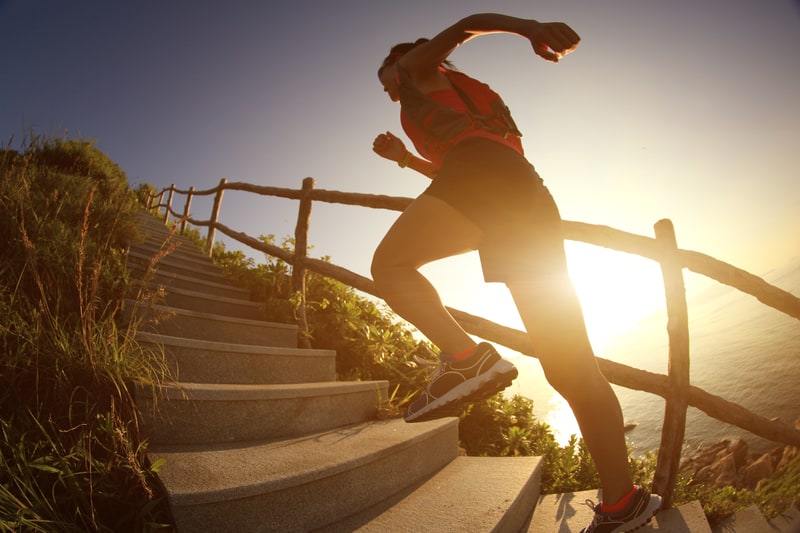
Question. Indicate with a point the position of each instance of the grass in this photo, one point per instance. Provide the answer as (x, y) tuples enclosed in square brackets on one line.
[(73, 455)]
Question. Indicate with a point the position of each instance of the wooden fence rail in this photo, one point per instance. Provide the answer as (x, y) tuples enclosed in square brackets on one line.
[(674, 387)]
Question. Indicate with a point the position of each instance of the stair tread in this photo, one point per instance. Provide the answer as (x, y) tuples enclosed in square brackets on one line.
[(200, 361), (787, 522), (169, 340), (469, 494), (201, 268), (567, 513), (748, 519), (155, 237), (219, 327), (198, 474), (170, 276), (212, 316), (184, 251), (306, 478), (150, 225), (248, 391), (200, 295)]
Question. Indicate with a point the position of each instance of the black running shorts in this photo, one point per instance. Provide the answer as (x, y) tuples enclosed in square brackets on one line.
[(499, 190)]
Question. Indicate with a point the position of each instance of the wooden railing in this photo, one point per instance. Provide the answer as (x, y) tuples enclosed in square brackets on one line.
[(674, 387)]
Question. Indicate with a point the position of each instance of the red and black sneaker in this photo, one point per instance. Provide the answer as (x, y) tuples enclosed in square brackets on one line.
[(454, 383), (638, 512)]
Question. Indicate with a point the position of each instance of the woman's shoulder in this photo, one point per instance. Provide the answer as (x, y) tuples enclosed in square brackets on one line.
[(427, 81)]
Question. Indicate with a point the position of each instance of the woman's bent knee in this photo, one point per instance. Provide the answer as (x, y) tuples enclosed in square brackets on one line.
[(383, 263)]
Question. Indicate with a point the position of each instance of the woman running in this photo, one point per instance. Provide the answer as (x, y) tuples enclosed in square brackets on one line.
[(485, 196)]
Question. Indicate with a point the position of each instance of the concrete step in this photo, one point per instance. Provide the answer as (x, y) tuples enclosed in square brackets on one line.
[(155, 232), (197, 361), (177, 322), (787, 522), (184, 413), (145, 218), (140, 261), (183, 251), (486, 494), (170, 280), (257, 435), (304, 483), (568, 513), (748, 520), (195, 300)]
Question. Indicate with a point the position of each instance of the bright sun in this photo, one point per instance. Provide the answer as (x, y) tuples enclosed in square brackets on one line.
[(617, 290)]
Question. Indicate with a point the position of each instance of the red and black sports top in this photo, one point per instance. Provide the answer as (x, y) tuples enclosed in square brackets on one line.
[(437, 121)]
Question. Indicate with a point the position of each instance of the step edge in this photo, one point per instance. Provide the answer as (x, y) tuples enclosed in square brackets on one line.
[(182, 252), (329, 469), (211, 269), (404, 503), (228, 285), (211, 316), (249, 304), (216, 346), (225, 392)]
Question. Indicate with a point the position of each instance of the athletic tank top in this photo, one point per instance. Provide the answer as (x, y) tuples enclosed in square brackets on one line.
[(425, 142)]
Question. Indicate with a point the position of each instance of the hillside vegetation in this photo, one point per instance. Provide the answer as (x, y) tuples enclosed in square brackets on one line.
[(72, 455)]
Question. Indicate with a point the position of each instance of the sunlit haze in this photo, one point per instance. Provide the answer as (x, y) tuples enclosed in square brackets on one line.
[(683, 110)]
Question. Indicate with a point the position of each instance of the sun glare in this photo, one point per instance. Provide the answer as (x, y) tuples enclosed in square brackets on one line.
[(561, 420), (616, 290)]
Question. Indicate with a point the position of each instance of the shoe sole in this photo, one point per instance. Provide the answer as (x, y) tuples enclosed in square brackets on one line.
[(495, 380)]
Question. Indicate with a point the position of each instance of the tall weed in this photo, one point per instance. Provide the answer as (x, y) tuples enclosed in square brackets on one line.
[(72, 452)]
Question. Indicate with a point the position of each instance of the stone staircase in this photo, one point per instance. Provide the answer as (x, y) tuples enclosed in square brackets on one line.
[(257, 434)]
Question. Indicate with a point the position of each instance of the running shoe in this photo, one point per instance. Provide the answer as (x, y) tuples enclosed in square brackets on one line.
[(481, 375), (639, 511)]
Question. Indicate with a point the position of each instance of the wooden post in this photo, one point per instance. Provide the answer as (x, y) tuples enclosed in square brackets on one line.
[(160, 200), (169, 204), (186, 208), (212, 224), (300, 254), (674, 428)]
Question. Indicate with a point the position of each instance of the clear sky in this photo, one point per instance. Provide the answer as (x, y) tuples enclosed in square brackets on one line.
[(683, 109)]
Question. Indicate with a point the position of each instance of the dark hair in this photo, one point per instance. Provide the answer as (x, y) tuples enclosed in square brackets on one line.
[(399, 50)]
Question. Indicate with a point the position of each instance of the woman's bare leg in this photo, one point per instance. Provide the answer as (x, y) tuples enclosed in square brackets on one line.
[(429, 229), (553, 318)]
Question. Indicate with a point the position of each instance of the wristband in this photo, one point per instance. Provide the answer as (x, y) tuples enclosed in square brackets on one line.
[(403, 163)]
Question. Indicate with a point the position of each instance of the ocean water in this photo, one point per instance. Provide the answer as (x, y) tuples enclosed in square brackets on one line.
[(740, 350)]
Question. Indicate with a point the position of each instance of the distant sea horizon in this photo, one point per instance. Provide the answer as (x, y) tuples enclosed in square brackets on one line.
[(740, 349)]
